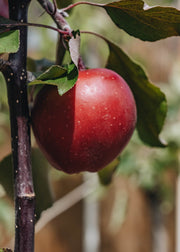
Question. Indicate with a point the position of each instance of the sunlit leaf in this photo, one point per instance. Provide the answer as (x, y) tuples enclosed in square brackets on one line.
[(63, 77), (9, 42), (143, 22), (52, 73), (150, 101)]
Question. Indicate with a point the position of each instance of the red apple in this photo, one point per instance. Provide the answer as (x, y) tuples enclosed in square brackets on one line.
[(87, 127)]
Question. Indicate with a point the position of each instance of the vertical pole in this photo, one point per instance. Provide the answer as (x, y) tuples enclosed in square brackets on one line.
[(91, 239), (15, 76)]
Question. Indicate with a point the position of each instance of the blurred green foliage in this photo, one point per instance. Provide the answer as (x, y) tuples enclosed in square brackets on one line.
[(147, 166), (3, 93), (6, 218), (40, 170)]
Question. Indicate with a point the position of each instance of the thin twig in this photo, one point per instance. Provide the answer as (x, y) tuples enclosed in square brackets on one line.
[(35, 25), (94, 34), (56, 15), (66, 202), (81, 2)]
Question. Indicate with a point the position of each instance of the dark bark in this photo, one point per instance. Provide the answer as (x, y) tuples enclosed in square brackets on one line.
[(16, 78)]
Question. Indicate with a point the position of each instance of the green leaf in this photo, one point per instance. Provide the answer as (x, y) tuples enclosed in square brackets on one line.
[(106, 174), (145, 23), (9, 42), (3, 93), (40, 179), (63, 77), (150, 101), (68, 81), (52, 73)]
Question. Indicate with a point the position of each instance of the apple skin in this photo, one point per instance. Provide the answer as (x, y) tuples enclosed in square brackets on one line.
[(87, 127)]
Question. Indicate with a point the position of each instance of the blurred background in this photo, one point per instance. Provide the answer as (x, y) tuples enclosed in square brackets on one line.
[(138, 210)]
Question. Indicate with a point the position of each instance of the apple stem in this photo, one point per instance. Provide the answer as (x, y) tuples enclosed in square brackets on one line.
[(57, 16), (81, 65), (16, 79)]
